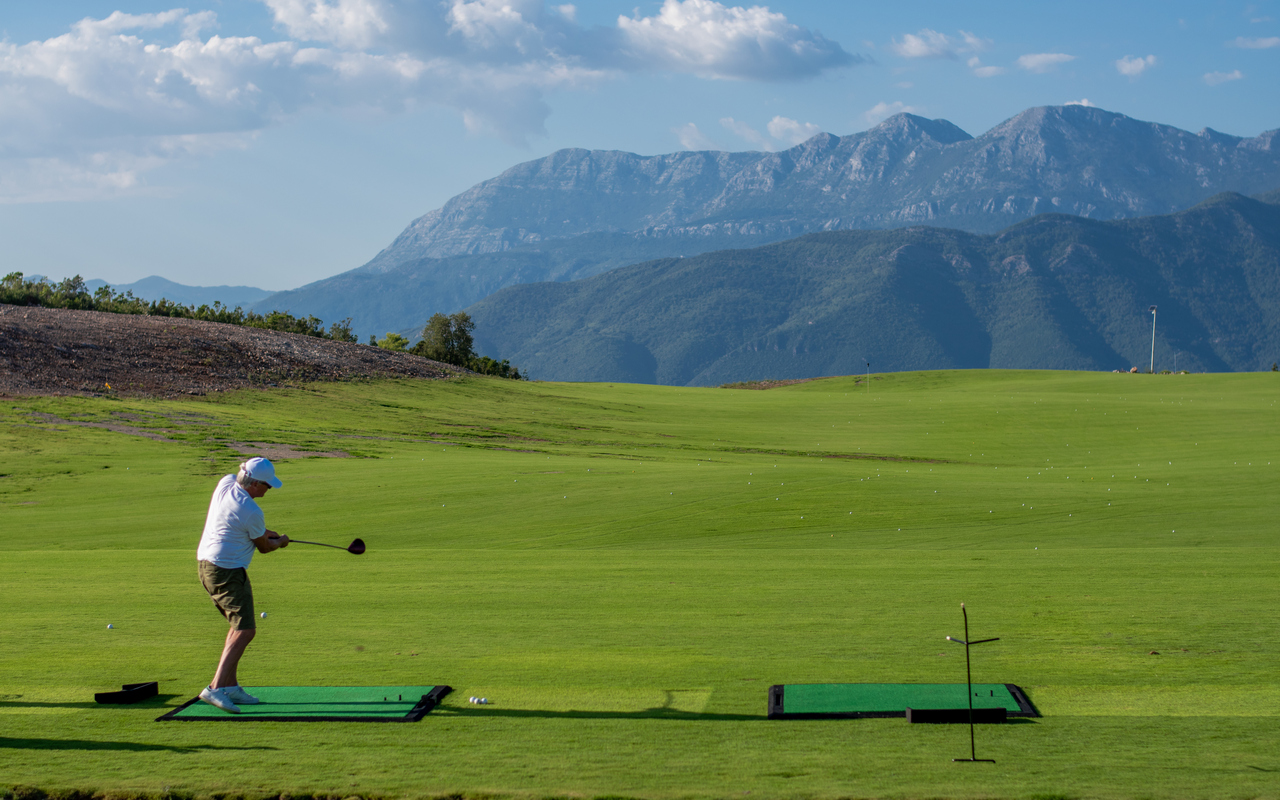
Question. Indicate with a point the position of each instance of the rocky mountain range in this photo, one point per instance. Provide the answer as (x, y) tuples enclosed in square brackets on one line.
[(577, 213), (1052, 292)]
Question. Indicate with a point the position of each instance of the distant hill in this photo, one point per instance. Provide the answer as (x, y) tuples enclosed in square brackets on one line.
[(1052, 292), (156, 288), (579, 212)]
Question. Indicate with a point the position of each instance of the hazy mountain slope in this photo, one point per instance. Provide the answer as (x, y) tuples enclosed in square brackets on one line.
[(1053, 292), (403, 297), (155, 288), (579, 212)]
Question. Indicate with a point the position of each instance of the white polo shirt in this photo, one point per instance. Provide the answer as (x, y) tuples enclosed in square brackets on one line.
[(234, 519)]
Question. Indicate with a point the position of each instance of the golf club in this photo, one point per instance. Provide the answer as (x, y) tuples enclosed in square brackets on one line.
[(355, 548)]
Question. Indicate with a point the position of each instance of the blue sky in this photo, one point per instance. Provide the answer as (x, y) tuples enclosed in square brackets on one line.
[(275, 142)]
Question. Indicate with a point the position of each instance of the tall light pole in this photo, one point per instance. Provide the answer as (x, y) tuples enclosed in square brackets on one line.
[(1153, 339)]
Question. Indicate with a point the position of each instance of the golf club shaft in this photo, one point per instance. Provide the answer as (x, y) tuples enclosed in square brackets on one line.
[(321, 544)]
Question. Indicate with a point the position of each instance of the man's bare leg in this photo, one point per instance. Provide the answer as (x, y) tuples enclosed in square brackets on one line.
[(237, 641)]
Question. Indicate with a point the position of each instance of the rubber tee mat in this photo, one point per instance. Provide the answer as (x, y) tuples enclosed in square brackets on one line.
[(853, 700), (322, 704)]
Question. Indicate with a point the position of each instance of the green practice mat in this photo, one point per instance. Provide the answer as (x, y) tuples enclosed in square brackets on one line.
[(323, 704), (852, 700)]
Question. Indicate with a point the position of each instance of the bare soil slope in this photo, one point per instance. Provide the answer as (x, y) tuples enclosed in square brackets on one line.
[(45, 351)]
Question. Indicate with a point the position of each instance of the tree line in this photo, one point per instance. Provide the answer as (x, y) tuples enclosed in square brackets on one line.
[(449, 339), (446, 339), (73, 294)]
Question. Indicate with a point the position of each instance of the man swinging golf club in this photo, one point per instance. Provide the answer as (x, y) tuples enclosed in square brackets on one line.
[(235, 528)]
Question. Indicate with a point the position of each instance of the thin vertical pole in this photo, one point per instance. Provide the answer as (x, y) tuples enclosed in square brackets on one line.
[(968, 674), (1153, 340)]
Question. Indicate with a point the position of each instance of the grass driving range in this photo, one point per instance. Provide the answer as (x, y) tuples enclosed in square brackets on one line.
[(624, 571)]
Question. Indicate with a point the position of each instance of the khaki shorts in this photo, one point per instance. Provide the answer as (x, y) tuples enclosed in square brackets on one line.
[(231, 593)]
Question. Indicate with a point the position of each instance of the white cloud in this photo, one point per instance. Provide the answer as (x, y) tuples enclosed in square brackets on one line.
[(925, 44), (94, 109), (790, 131), (882, 110), (928, 43), (1084, 101), (1255, 43), (710, 40), (1216, 78), (693, 139), (745, 131), (1133, 66), (351, 23), (975, 64), (1042, 62), (974, 43)]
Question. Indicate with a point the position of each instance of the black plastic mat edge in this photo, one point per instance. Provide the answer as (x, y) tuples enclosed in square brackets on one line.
[(429, 701), (1025, 707)]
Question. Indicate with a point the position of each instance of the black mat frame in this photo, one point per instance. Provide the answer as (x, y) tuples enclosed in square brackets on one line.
[(778, 710), (129, 694), (429, 701)]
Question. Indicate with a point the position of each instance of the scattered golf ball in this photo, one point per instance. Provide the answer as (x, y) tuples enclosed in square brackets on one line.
[(263, 615), (110, 626), (471, 700)]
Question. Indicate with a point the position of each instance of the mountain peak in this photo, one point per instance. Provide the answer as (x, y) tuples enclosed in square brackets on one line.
[(909, 126)]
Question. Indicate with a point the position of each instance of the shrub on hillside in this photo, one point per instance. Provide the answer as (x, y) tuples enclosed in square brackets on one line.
[(72, 293)]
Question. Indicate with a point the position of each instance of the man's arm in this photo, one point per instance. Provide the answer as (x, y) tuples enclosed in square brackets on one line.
[(270, 541)]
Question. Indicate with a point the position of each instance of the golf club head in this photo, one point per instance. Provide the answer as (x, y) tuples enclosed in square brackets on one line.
[(357, 547)]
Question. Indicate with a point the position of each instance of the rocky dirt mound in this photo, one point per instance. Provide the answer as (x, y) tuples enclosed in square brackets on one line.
[(46, 351)]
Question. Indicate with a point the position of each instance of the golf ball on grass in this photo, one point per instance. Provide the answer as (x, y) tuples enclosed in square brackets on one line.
[(263, 615), (110, 626)]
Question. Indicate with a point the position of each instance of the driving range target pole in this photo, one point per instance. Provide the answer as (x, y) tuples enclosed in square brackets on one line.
[(968, 672)]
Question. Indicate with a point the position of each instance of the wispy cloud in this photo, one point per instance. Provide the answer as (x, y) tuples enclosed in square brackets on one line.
[(1133, 66), (102, 104), (744, 131), (782, 131), (1255, 42), (981, 71), (928, 43), (693, 139), (1084, 101), (1043, 62), (882, 110), (925, 44), (791, 131), (1217, 78)]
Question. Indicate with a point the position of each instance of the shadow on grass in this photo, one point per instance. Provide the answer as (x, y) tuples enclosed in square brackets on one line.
[(648, 713), (7, 743), (151, 702)]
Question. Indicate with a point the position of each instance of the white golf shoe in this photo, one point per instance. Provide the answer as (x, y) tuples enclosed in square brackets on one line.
[(219, 699), (239, 696)]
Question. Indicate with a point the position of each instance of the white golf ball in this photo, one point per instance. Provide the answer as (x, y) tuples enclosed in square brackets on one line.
[(263, 615), (110, 626), (472, 700), (484, 701)]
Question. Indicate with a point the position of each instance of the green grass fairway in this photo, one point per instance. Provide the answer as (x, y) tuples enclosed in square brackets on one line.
[(625, 570)]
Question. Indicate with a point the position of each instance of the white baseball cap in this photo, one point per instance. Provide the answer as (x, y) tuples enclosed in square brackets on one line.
[(260, 469)]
